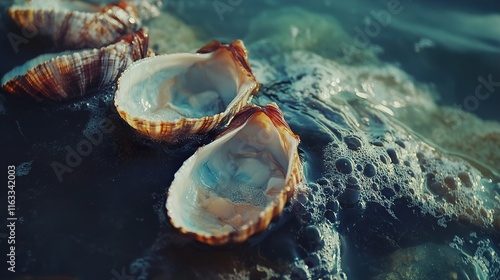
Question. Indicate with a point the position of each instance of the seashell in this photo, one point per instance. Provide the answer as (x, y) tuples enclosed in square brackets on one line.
[(234, 186), (74, 24), (170, 97), (72, 74)]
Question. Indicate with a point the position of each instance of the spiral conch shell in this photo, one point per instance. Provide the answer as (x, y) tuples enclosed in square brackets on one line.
[(75, 24), (234, 186), (73, 74), (170, 97)]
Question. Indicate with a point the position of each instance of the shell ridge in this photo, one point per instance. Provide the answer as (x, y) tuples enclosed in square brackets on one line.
[(71, 28), (72, 75)]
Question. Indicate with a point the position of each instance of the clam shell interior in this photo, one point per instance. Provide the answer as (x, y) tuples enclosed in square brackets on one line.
[(30, 64), (228, 184), (170, 87)]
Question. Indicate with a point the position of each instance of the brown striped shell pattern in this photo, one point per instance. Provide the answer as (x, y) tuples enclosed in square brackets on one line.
[(76, 24), (73, 74)]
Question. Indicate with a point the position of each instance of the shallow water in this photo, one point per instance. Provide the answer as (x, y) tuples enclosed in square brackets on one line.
[(400, 182)]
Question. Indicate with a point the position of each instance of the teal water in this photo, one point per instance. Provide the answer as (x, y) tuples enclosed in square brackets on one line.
[(400, 152)]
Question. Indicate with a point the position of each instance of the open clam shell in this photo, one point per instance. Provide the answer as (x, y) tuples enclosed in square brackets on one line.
[(234, 186), (170, 97), (67, 75), (75, 24)]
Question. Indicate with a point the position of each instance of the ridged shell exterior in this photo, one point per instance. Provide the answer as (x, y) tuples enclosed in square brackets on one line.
[(293, 178), (74, 75), (175, 131), (77, 30)]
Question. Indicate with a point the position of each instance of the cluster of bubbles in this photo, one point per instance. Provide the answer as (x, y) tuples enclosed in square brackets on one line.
[(378, 180), (317, 212), (389, 167), (374, 159)]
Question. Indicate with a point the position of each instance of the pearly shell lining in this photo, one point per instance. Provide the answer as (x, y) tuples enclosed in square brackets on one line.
[(171, 87), (201, 204)]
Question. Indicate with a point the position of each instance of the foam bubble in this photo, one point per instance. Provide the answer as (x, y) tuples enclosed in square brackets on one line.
[(24, 168)]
